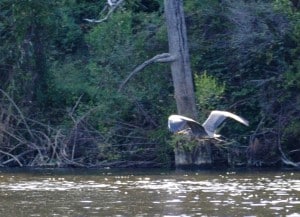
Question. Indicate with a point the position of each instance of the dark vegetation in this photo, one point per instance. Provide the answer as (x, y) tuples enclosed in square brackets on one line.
[(60, 103)]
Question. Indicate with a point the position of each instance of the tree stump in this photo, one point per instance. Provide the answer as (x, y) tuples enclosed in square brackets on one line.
[(198, 154)]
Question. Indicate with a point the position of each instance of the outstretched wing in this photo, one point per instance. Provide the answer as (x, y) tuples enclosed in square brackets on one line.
[(217, 117), (177, 123)]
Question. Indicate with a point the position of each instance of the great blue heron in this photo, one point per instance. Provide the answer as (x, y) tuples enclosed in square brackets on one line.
[(207, 130)]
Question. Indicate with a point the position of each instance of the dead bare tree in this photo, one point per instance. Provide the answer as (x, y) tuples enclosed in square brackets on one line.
[(178, 57)]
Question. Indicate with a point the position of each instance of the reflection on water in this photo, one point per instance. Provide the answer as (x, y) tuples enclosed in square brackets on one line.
[(149, 193)]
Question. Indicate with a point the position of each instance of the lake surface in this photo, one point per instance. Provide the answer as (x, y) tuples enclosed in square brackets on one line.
[(83, 193)]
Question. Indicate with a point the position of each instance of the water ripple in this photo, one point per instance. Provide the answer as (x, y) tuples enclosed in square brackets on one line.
[(168, 194)]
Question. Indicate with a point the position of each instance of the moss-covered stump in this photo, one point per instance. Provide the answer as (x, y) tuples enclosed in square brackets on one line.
[(193, 153)]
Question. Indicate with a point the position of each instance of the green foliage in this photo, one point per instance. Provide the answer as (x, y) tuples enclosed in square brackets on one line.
[(111, 38), (292, 77), (115, 48), (208, 91), (183, 141), (290, 82), (61, 70), (292, 130)]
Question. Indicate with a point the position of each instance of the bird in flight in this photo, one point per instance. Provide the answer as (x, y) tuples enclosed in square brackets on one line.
[(207, 130)]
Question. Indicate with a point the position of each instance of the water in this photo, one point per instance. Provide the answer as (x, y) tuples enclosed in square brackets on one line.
[(80, 193)]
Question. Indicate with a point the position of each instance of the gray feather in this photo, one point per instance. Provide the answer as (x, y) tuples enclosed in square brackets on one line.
[(216, 118)]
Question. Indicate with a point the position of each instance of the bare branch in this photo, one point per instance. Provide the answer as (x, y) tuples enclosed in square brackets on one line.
[(112, 8), (284, 157), (164, 57), (14, 157), (19, 111)]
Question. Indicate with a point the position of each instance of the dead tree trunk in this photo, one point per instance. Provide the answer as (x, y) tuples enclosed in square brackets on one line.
[(183, 83), (178, 48)]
